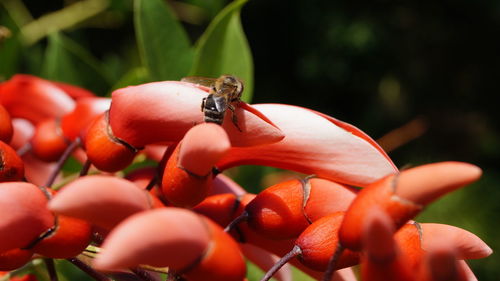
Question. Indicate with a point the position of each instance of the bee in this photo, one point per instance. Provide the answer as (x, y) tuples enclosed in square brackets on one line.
[(225, 93)]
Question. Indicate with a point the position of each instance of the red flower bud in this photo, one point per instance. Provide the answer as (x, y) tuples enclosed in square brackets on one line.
[(48, 143), (69, 239), (24, 214), (14, 259), (11, 166)]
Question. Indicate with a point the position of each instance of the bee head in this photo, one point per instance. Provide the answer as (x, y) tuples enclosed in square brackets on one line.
[(230, 81)]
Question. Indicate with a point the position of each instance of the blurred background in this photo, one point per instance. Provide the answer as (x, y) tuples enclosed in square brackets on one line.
[(418, 76)]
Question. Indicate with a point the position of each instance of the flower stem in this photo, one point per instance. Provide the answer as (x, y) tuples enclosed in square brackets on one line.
[(62, 160), (51, 269), (23, 149), (236, 221), (85, 169), (144, 274), (330, 269), (152, 182), (89, 270), (277, 266)]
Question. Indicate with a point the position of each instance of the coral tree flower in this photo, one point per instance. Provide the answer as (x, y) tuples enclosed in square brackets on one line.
[(404, 195), (187, 243), (165, 111), (179, 224), (35, 99)]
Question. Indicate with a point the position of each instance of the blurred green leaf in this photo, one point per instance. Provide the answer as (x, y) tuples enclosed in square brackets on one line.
[(67, 271), (10, 51), (254, 273), (223, 49), (33, 59), (66, 61), (134, 76), (10, 47), (163, 43)]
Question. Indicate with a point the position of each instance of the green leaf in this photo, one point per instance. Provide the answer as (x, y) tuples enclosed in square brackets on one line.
[(66, 61), (211, 7), (223, 49), (10, 51), (163, 43)]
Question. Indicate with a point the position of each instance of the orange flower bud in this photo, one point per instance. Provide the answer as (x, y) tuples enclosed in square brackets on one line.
[(6, 129), (187, 177), (68, 240), (104, 150)]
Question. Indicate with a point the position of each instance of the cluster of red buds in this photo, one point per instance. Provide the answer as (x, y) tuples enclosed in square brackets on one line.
[(184, 217)]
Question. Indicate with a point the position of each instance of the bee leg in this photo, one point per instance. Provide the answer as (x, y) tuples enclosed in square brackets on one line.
[(234, 117), (203, 104)]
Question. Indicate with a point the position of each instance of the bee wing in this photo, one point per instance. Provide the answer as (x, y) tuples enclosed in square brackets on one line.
[(204, 81), (220, 103)]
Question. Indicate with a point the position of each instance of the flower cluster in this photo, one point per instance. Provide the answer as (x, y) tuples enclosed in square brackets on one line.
[(188, 219)]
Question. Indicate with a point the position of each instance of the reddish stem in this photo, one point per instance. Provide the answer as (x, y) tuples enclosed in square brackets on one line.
[(277, 266), (330, 269), (60, 163), (236, 221)]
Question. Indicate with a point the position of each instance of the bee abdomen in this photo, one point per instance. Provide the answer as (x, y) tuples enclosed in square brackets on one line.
[(214, 117)]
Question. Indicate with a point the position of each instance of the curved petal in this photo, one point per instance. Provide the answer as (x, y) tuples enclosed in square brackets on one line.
[(440, 263), (33, 98), (469, 275), (426, 183), (171, 237), (378, 242), (101, 200), (165, 111), (466, 244), (382, 260), (199, 156), (357, 132), (314, 145)]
